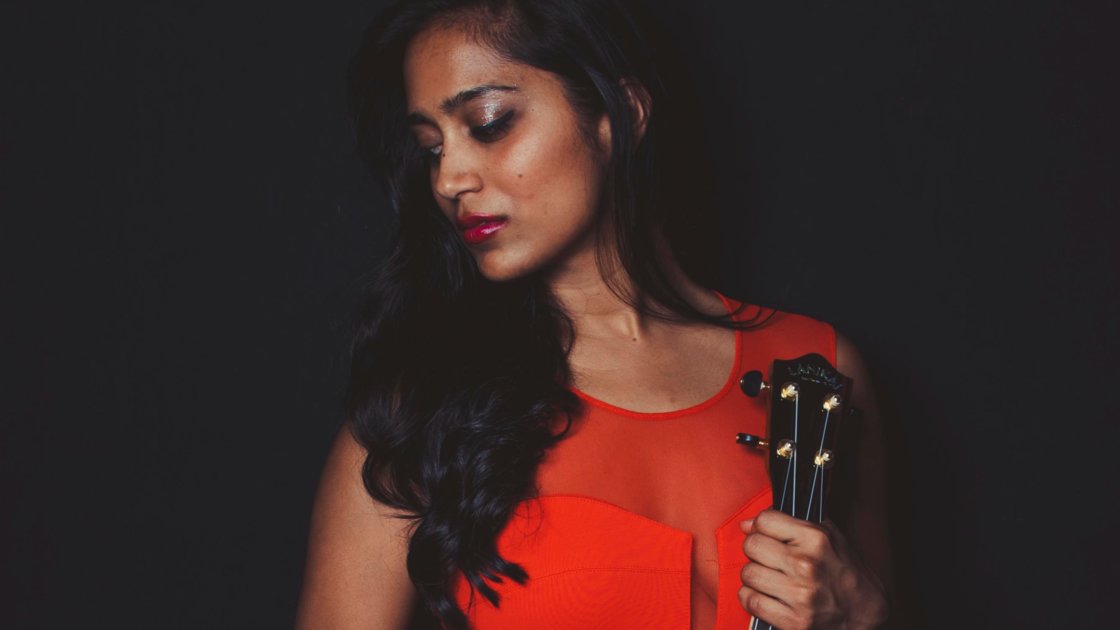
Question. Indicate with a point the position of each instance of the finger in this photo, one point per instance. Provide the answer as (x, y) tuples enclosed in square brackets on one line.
[(780, 525), (746, 525), (769, 581), (768, 609), (811, 537), (769, 552)]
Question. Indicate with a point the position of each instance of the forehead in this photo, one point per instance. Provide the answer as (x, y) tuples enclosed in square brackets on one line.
[(441, 62)]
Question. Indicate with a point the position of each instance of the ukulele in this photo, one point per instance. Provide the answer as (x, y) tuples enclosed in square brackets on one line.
[(808, 398)]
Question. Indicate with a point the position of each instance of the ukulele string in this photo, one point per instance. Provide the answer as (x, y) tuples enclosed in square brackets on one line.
[(793, 461), (812, 493), (790, 465), (781, 508), (820, 498), (785, 490), (818, 471)]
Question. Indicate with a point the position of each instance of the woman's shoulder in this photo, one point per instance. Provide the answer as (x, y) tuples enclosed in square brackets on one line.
[(782, 333), (765, 315), (341, 586)]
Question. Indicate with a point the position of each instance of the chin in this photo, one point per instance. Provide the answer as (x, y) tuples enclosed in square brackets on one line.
[(500, 275), (496, 269)]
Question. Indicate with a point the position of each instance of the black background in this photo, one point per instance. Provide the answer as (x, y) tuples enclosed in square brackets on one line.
[(185, 224)]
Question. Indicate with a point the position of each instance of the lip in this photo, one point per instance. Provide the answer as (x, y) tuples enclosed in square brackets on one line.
[(476, 228)]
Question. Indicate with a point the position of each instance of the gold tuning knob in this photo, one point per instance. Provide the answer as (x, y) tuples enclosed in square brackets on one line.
[(823, 459), (832, 402)]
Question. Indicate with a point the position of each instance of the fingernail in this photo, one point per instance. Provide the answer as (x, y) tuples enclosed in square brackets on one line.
[(745, 525)]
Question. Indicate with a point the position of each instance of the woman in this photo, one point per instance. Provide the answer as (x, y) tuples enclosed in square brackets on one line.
[(538, 413)]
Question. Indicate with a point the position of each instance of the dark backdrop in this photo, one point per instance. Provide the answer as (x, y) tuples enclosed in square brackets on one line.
[(185, 224)]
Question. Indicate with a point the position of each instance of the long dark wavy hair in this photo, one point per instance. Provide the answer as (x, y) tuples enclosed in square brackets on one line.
[(455, 427)]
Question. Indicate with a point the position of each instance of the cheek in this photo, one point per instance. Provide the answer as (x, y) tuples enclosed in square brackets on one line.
[(555, 169), (523, 167)]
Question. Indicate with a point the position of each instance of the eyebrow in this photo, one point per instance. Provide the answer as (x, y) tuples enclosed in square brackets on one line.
[(451, 103)]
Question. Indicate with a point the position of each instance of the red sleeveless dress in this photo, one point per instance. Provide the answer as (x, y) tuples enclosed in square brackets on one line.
[(637, 520)]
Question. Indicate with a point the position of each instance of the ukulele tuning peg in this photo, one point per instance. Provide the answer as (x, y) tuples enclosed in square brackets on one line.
[(823, 459), (750, 440), (752, 383), (830, 403)]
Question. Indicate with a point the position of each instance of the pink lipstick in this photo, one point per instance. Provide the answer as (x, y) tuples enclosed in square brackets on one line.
[(479, 227)]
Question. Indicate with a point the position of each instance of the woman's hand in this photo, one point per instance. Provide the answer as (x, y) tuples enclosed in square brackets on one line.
[(803, 575)]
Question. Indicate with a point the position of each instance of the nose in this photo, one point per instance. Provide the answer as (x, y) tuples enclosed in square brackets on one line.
[(456, 174)]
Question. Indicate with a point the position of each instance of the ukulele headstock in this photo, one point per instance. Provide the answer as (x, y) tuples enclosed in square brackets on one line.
[(808, 400)]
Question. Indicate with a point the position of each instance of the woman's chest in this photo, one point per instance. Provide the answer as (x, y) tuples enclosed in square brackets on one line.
[(639, 518), (686, 473)]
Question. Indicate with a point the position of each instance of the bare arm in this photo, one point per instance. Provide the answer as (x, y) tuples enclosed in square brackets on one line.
[(356, 576)]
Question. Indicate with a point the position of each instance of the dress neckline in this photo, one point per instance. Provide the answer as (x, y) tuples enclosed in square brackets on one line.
[(728, 385)]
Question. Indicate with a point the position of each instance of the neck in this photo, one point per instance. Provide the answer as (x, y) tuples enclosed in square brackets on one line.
[(583, 290)]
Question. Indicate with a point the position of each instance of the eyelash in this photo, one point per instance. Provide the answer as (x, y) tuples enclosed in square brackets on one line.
[(490, 132), (493, 130)]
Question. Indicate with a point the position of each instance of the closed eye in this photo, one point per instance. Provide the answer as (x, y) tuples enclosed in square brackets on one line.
[(493, 130), (490, 132)]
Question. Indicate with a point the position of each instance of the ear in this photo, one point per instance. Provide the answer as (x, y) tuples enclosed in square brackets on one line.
[(640, 104)]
